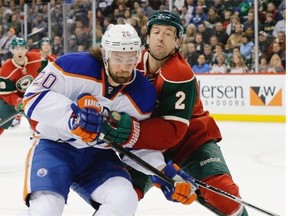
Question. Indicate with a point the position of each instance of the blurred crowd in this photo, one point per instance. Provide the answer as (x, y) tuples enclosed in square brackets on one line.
[(219, 34)]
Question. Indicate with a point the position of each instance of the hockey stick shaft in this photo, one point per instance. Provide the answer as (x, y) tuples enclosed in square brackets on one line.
[(8, 119), (147, 166), (156, 172)]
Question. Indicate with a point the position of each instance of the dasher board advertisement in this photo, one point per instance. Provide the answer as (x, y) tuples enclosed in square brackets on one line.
[(249, 97)]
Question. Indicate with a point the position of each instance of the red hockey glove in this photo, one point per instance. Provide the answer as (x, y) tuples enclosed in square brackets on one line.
[(184, 188), (86, 120), (121, 128)]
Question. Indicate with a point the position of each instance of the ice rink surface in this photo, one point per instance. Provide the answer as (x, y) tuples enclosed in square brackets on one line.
[(254, 152)]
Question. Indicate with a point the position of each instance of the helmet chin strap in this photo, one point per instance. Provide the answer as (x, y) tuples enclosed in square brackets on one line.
[(148, 50)]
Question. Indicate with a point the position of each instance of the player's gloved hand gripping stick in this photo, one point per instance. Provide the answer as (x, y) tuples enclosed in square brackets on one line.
[(183, 189), (121, 128), (86, 120)]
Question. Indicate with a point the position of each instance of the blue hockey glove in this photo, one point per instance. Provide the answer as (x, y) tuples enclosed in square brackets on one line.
[(184, 188), (86, 120), (121, 128)]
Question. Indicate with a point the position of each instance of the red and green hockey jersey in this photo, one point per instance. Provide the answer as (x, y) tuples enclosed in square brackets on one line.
[(15, 79), (179, 123)]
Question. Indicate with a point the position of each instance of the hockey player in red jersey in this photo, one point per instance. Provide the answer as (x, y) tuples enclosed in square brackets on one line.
[(46, 55), (180, 126), (16, 75), (46, 49)]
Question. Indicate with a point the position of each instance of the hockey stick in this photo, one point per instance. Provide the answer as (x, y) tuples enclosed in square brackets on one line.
[(158, 173), (2, 122)]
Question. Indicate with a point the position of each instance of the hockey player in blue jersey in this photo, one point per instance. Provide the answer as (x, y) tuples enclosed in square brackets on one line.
[(67, 100)]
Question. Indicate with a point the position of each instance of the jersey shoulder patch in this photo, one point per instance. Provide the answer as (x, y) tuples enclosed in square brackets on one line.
[(81, 63)]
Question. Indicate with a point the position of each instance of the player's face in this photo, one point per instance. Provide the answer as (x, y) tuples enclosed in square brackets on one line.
[(121, 65), (162, 40), (19, 53), (46, 47)]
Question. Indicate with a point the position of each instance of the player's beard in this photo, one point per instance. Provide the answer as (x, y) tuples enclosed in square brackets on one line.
[(120, 79)]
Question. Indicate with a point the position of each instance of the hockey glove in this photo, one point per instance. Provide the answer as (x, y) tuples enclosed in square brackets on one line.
[(121, 128), (86, 120), (184, 188)]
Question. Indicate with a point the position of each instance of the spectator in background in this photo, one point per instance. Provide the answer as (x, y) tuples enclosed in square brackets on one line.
[(275, 64), (134, 21), (57, 48), (142, 35), (199, 43), (275, 48), (99, 34), (208, 54), (246, 46), (57, 20), (263, 42), (227, 20), (235, 39), (220, 8), (189, 36), (142, 19), (220, 66), (185, 15), (271, 8), (136, 5), (106, 23), (40, 26), (72, 44), (15, 23), (5, 42), (147, 9), (206, 32), (179, 4), (248, 25), (99, 18), (192, 54), (220, 33), (201, 66), (234, 20), (263, 64), (281, 24), (237, 64), (243, 8), (219, 50), (199, 16), (190, 6), (202, 4), (213, 41), (212, 18), (269, 24)]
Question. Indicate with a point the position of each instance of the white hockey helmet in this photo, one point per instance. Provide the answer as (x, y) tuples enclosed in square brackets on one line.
[(121, 38)]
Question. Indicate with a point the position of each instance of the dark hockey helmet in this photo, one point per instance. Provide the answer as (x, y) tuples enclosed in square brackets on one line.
[(18, 41), (45, 40), (166, 17)]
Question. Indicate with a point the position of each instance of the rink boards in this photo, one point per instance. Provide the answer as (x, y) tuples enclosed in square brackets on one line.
[(249, 97)]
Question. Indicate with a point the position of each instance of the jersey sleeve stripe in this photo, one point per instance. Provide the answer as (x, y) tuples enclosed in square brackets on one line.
[(174, 118), (173, 81), (35, 103)]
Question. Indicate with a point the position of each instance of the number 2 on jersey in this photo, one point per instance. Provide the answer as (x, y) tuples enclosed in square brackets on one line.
[(179, 103)]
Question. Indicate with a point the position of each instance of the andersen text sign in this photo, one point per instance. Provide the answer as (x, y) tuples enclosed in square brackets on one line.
[(243, 94)]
